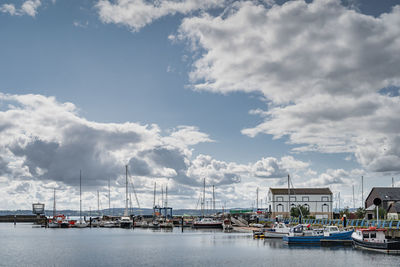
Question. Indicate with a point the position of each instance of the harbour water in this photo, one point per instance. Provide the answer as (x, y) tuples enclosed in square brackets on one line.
[(23, 245)]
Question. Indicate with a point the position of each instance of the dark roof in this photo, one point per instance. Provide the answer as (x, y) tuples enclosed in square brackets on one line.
[(394, 207), (301, 191), (386, 193)]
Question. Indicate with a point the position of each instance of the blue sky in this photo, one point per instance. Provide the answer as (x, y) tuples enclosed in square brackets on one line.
[(139, 68)]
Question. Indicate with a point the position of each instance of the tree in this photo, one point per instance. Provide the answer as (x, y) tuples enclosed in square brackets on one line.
[(295, 211), (345, 211), (382, 213), (360, 213)]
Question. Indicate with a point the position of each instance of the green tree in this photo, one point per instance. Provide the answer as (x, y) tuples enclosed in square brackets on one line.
[(295, 211), (382, 213), (345, 211), (360, 213)]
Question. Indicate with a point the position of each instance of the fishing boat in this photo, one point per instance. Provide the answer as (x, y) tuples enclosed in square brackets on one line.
[(279, 230), (374, 239), (297, 235), (207, 223)]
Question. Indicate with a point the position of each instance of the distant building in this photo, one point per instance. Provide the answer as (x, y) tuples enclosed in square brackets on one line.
[(393, 211), (389, 196), (317, 200)]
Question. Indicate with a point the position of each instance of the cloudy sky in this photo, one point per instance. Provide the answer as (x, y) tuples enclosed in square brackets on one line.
[(241, 93)]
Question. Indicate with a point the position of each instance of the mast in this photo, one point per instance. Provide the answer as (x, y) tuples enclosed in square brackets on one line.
[(288, 185), (204, 196), (154, 196), (126, 191), (362, 191), (166, 196), (162, 196), (257, 199), (213, 199), (109, 197), (80, 196), (98, 203), (392, 182), (354, 202), (54, 204)]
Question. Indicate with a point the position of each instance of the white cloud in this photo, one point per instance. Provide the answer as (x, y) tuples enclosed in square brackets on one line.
[(138, 13), (320, 67), (44, 144), (8, 8), (28, 7)]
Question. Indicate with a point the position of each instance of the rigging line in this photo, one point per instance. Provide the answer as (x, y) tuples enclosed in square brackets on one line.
[(134, 191)]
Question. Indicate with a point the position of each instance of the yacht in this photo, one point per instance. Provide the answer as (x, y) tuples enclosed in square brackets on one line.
[(125, 222)]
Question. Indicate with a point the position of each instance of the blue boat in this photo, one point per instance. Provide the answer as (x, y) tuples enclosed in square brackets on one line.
[(299, 235)]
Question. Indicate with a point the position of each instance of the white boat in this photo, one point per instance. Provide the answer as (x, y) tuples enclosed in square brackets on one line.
[(142, 224), (53, 224), (166, 224), (279, 230), (110, 224), (207, 223), (125, 222)]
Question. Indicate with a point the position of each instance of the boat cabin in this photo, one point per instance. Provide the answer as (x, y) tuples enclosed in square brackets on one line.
[(371, 235)]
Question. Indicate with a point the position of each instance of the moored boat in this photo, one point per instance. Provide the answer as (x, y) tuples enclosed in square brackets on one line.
[(207, 223), (298, 235), (279, 230), (374, 239)]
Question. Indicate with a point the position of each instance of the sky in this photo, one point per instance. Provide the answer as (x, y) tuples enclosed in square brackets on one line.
[(240, 93)]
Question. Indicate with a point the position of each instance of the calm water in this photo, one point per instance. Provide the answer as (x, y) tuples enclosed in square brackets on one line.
[(26, 246)]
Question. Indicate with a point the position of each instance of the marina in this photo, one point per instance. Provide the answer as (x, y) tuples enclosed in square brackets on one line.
[(25, 246)]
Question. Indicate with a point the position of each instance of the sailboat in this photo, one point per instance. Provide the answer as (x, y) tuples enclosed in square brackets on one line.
[(126, 221), (54, 223), (81, 223)]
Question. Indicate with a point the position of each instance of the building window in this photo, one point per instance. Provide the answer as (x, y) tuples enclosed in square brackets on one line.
[(305, 198), (293, 199), (279, 198), (279, 208), (325, 208), (324, 198)]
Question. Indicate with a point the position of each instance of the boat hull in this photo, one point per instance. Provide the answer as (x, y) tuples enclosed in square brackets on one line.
[(316, 239), (270, 234), (208, 225), (391, 247)]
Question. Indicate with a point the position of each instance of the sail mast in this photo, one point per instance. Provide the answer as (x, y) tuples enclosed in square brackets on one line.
[(109, 197), (204, 196), (126, 191), (54, 204), (80, 196)]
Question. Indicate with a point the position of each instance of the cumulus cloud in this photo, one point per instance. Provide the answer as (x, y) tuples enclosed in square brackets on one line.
[(319, 66), (44, 144), (28, 7), (138, 13)]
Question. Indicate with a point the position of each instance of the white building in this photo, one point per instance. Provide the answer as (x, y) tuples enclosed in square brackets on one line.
[(317, 200)]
